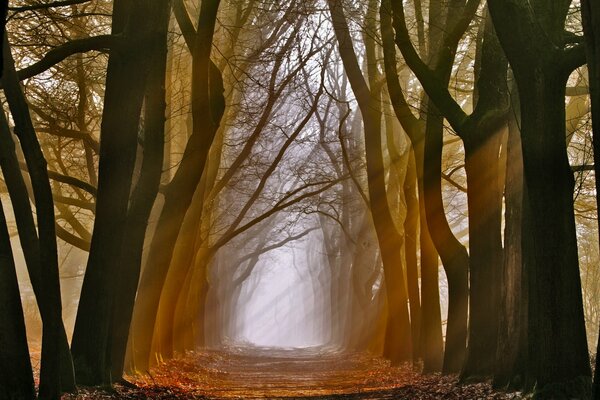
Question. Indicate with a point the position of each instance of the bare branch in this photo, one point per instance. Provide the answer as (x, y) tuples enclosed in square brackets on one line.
[(43, 6)]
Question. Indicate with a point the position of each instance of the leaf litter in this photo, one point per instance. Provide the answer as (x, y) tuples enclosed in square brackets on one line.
[(268, 373)]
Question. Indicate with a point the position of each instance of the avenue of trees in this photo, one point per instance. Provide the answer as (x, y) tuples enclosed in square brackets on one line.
[(428, 167)]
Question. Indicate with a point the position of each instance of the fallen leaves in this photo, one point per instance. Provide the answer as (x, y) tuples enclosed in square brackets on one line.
[(243, 373)]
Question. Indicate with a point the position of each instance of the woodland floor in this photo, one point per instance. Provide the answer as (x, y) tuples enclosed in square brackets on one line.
[(290, 374)]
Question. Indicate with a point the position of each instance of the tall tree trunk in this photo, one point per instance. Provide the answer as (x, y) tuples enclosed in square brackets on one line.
[(16, 378), (411, 224), (28, 237), (511, 352), (431, 326), (128, 68), (485, 242), (207, 110), (182, 260), (50, 371), (398, 336), (432, 344), (482, 141), (143, 196), (555, 299), (590, 12), (453, 254), (558, 356)]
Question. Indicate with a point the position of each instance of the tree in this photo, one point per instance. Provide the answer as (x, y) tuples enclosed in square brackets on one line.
[(53, 338), (207, 108), (428, 144), (533, 37), (481, 135), (142, 197), (590, 13), (126, 82), (16, 377), (369, 99)]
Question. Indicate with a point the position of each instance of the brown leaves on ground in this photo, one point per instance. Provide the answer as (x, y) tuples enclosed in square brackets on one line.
[(291, 374)]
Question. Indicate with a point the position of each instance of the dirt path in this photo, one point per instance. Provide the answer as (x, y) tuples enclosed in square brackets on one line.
[(292, 374)]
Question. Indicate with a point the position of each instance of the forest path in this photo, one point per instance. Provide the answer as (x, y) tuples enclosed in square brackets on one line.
[(315, 373), (279, 373)]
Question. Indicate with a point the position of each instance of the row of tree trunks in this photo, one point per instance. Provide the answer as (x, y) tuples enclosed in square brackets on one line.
[(398, 336), (183, 256), (53, 336), (528, 32), (402, 196), (141, 26), (178, 327), (207, 109), (480, 133), (142, 197), (431, 346)]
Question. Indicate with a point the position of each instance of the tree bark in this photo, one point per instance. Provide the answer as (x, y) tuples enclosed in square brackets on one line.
[(128, 68), (590, 12), (16, 378), (28, 237), (50, 371), (555, 306), (411, 224), (482, 142), (143, 196), (511, 352), (485, 242), (207, 109), (398, 335), (453, 254), (558, 354)]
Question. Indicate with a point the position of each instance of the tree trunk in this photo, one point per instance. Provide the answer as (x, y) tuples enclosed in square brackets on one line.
[(142, 198), (28, 237), (16, 379), (128, 68), (53, 334), (207, 110), (485, 243), (432, 344), (398, 337), (453, 254), (511, 352), (555, 300), (590, 12), (411, 224)]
